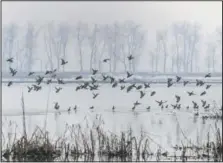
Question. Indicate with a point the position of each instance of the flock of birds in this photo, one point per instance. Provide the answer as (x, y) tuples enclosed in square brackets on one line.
[(94, 86)]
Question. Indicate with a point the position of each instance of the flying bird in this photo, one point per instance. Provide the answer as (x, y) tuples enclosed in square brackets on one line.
[(130, 57), (49, 81), (136, 103), (177, 98), (13, 71), (203, 103), (114, 84), (29, 88), (60, 81), (142, 94), (122, 87), (39, 80), (152, 93), (10, 60), (95, 95), (208, 75), (56, 106), (147, 85), (186, 82), (94, 71), (191, 93), (160, 102), (30, 73), (9, 83), (78, 77), (129, 75), (178, 78), (58, 89), (106, 60), (63, 62), (208, 86), (203, 93)]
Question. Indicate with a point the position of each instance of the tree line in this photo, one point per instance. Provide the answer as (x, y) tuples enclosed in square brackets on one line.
[(180, 47)]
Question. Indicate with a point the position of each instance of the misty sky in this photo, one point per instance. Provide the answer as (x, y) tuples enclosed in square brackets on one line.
[(152, 15)]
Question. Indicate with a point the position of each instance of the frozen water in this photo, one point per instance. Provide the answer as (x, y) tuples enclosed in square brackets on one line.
[(166, 126)]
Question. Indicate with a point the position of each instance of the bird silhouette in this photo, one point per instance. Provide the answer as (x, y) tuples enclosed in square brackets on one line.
[(49, 81), (148, 108), (9, 83), (63, 62), (208, 75), (95, 95), (136, 103), (30, 73), (208, 86), (78, 77), (130, 57), (13, 71), (133, 108), (178, 79), (195, 105), (48, 72), (58, 89), (104, 77), (92, 107), (53, 76), (68, 110), (207, 106), (75, 108), (94, 71), (114, 84), (36, 87), (191, 93), (60, 81), (142, 94), (113, 108), (160, 102), (10, 60), (29, 89), (146, 85), (178, 106), (93, 80), (174, 106), (139, 87), (78, 88), (106, 60), (186, 82), (129, 88), (112, 80), (169, 84), (203, 103), (122, 80), (129, 75), (94, 87), (152, 93), (56, 106), (177, 98), (203, 93), (122, 87), (169, 80), (39, 80), (199, 82)]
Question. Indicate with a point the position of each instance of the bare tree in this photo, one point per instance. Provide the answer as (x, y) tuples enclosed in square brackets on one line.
[(92, 40), (63, 33), (30, 43), (80, 35), (162, 40)]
